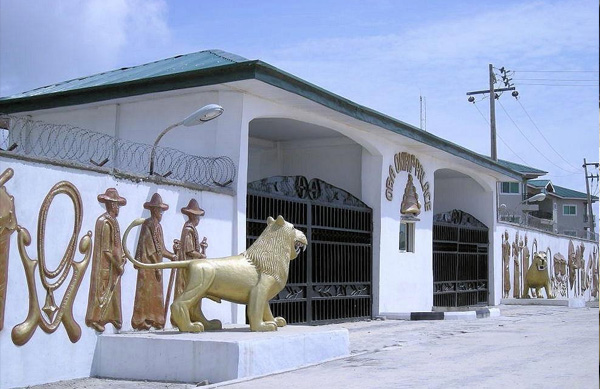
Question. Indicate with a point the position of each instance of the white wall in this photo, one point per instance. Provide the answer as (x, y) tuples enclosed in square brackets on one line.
[(337, 164), (52, 357), (466, 194), (556, 244), (405, 279)]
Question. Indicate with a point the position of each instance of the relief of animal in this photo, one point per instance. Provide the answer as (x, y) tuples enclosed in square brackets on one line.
[(537, 277), (253, 278)]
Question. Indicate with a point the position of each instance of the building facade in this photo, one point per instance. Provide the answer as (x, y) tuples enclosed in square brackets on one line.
[(398, 220)]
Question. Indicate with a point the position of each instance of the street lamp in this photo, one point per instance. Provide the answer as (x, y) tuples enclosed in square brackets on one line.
[(534, 198), (204, 114), (537, 197)]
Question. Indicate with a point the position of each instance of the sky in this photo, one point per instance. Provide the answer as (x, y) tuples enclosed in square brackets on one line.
[(383, 54)]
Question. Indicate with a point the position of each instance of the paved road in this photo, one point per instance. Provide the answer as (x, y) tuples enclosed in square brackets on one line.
[(544, 347)]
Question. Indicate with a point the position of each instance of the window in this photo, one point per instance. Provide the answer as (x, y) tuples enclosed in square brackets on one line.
[(570, 233), (407, 237), (569, 210), (510, 187)]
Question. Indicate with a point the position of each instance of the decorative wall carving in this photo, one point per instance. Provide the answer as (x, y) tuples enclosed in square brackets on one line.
[(108, 264), (410, 205), (299, 187), (568, 277), (148, 307), (8, 225), (190, 247), (53, 315), (405, 162), (560, 280), (505, 265), (458, 217)]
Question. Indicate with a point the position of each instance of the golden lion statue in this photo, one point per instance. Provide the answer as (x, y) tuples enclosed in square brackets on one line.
[(252, 278), (537, 277)]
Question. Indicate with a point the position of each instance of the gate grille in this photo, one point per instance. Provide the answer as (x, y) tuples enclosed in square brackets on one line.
[(331, 280), (460, 260)]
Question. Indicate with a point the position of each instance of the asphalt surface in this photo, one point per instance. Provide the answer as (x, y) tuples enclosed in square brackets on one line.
[(527, 346)]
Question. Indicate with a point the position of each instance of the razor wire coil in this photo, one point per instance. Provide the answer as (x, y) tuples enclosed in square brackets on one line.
[(75, 145)]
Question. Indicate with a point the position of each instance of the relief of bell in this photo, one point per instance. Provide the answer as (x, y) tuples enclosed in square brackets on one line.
[(410, 201)]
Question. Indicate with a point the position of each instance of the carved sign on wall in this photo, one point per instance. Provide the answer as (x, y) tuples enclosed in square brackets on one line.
[(8, 225), (405, 162), (53, 315)]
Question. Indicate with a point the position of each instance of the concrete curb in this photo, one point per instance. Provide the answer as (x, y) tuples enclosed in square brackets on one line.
[(458, 315)]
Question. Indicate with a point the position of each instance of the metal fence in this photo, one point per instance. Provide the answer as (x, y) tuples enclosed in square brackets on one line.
[(546, 225), (74, 145)]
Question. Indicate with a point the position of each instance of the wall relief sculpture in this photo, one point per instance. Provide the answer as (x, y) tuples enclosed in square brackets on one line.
[(8, 225), (108, 264), (410, 206), (593, 272), (560, 279), (190, 247), (537, 277), (576, 267), (505, 265), (516, 251), (252, 278), (53, 315), (148, 307)]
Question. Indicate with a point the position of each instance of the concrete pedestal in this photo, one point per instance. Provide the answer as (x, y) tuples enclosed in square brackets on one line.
[(571, 302), (214, 356)]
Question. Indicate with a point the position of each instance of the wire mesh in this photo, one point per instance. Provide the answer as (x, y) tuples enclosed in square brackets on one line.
[(65, 143)]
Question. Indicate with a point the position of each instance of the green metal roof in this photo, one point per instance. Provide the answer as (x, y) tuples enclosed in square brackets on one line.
[(525, 170), (560, 191), (213, 67), (178, 64)]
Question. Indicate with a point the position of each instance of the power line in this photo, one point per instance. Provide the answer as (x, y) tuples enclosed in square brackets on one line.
[(556, 71), (505, 144), (542, 134), (573, 86), (550, 79), (531, 143)]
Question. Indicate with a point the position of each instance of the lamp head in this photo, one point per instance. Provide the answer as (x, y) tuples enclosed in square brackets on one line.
[(537, 197), (204, 114)]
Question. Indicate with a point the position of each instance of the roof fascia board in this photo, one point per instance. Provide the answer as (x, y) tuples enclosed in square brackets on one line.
[(191, 79)]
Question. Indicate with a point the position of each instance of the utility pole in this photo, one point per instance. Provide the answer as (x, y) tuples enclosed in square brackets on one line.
[(589, 197), (493, 96), (494, 152)]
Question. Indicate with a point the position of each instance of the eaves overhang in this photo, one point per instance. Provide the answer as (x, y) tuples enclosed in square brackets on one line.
[(240, 71)]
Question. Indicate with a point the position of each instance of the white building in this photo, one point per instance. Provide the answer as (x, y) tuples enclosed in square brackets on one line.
[(336, 169)]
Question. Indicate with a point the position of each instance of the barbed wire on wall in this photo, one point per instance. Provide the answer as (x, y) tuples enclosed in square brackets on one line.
[(74, 145)]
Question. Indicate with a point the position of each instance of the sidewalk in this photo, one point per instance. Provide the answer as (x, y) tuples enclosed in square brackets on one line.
[(527, 346)]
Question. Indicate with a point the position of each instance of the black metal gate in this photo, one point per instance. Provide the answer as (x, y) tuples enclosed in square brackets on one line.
[(460, 260), (331, 280)]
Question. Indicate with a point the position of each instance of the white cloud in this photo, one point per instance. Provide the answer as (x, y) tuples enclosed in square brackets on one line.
[(44, 42)]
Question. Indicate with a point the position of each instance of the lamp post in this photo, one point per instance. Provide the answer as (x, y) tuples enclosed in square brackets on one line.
[(204, 114)]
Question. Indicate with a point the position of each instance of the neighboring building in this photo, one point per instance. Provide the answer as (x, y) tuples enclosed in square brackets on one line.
[(398, 219), (566, 209), (563, 211), (511, 194)]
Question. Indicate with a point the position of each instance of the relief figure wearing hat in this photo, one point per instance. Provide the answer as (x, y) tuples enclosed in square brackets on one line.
[(108, 263), (191, 247), (148, 307)]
